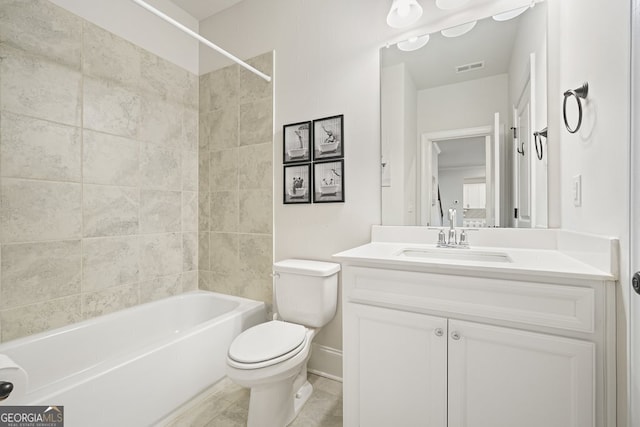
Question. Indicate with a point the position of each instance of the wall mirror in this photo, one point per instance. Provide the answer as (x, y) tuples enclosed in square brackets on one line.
[(458, 117)]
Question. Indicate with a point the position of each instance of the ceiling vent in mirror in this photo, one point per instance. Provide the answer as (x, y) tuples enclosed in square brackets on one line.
[(470, 67)]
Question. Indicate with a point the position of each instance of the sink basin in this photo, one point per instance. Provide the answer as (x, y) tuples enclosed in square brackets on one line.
[(454, 255)]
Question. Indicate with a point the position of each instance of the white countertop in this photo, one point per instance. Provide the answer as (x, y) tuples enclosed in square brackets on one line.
[(556, 259)]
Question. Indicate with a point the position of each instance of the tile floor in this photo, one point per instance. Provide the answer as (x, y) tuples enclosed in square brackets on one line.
[(226, 404)]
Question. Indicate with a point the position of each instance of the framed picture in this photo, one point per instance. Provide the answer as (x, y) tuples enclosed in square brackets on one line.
[(297, 184), (328, 142), (328, 180), (296, 142)]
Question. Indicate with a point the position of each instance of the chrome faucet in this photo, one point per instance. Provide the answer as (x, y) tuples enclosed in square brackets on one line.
[(452, 241)]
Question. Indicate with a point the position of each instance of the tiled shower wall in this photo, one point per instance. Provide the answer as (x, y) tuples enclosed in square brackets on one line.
[(236, 180), (98, 172)]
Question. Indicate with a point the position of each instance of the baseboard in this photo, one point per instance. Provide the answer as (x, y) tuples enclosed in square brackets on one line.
[(326, 362)]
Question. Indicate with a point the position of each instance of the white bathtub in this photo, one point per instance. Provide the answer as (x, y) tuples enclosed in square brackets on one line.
[(135, 366)]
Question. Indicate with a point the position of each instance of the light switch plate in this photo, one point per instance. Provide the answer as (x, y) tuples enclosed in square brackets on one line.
[(577, 190)]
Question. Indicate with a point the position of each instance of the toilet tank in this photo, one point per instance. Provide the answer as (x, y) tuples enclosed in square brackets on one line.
[(306, 292)]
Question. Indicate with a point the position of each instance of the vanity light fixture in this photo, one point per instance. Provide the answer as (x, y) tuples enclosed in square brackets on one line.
[(413, 43), (505, 16), (450, 4), (459, 29), (403, 13)]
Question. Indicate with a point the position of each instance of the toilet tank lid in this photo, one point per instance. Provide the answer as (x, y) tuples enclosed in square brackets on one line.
[(306, 267)]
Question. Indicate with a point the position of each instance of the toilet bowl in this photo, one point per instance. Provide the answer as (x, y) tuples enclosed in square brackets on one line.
[(271, 358)]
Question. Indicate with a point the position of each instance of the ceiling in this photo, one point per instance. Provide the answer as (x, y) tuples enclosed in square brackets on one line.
[(462, 152), (434, 64), (202, 9)]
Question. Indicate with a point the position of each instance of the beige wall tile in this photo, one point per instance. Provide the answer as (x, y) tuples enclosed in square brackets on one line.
[(189, 211), (35, 87), (226, 283), (39, 210), (220, 128), (61, 78), (255, 211), (160, 168), (161, 123), (189, 251), (219, 89), (109, 300), (204, 211), (38, 149), (224, 211), (109, 262), (107, 56), (190, 281), (110, 211), (190, 118), (204, 280), (160, 255), (256, 122), (54, 33), (36, 272), (44, 316), (256, 261), (190, 170), (252, 87), (223, 255), (160, 211), (223, 168), (203, 250), (164, 80), (256, 167), (109, 159), (111, 108), (159, 288), (203, 171)]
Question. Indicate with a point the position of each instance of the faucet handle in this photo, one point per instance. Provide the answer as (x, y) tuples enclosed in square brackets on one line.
[(464, 241), (442, 239)]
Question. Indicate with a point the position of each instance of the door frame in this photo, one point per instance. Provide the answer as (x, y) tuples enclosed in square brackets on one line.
[(633, 369), (424, 188)]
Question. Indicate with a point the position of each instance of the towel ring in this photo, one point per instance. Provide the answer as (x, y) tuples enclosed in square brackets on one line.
[(537, 137), (578, 93)]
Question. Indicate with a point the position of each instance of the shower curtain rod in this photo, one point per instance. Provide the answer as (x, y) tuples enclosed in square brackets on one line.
[(200, 38)]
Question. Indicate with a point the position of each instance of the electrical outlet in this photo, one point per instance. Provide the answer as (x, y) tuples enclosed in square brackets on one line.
[(577, 190)]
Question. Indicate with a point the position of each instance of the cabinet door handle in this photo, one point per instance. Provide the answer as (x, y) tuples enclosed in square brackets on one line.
[(455, 335), (439, 332)]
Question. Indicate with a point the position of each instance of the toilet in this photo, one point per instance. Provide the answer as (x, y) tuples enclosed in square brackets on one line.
[(271, 358)]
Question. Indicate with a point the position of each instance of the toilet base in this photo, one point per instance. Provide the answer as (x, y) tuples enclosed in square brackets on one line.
[(300, 398), (277, 405)]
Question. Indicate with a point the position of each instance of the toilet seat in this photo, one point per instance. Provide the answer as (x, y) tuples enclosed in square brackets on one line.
[(267, 344)]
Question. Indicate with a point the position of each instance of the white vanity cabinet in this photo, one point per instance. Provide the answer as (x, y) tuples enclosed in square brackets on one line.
[(450, 350)]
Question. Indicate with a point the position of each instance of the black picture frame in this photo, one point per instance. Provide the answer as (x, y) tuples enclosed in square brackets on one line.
[(328, 138), (295, 191), (296, 142), (328, 181)]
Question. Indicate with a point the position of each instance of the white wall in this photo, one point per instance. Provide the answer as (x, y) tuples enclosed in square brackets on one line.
[(326, 63), (410, 150), (590, 41), (398, 105), (131, 22), (392, 140), (462, 105)]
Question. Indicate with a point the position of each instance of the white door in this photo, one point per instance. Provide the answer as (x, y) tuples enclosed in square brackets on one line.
[(522, 159), (634, 298), (501, 377), (395, 368)]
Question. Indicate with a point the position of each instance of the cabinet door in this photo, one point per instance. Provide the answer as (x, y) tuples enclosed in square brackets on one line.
[(500, 377), (395, 368)]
